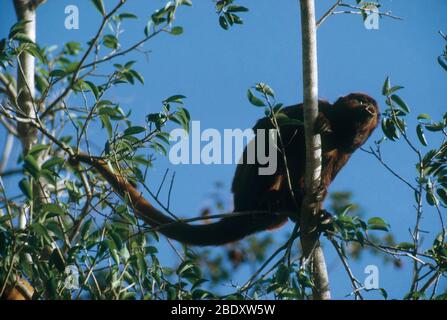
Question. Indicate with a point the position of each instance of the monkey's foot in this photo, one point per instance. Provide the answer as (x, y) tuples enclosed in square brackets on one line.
[(326, 221)]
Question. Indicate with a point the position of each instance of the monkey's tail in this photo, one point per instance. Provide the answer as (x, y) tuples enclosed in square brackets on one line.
[(226, 230)]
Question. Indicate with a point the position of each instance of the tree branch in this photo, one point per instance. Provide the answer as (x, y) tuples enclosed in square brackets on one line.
[(328, 13)]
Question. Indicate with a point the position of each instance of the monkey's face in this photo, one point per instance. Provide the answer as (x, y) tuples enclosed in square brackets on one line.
[(363, 108)]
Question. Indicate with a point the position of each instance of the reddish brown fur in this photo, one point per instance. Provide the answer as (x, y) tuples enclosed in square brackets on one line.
[(351, 121)]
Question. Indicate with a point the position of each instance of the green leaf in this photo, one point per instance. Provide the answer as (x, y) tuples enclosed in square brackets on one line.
[(421, 135), (53, 208), (104, 103), (99, 5), (93, 88), (406, 246), (137, 75), (26, 188), (360, 238), (430, 197), (236, 19), (254, 100), (37, 149), (85, 230), (21, 37), (229, 18), (41, 83), (442, 62), (175, 98), (442, 193), (223, 22), (185, 3), (176, 31), (147, 28), (263, 88), (31, 165), (41, 231), (185, 266), (57, 260), (18, 27), (234, 8), (134, 130), (51, 163), (110, 41), (424, 116), (36, 52), (377, 223), (435, 127), (346, 210), (57, 73), (126, 15), (105, 120), (384, 293), (401, 103), (72, 48), (394, 89), (386, 87), (389, 129), (184, 118)]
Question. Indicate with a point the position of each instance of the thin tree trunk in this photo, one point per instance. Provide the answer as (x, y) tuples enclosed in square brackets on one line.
[(25, 11), (310, 209)]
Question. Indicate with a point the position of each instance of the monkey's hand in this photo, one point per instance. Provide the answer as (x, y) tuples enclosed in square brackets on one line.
[(326, 225), (322, 125)]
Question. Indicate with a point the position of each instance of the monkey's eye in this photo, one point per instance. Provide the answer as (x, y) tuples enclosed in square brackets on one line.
[(357, 102)]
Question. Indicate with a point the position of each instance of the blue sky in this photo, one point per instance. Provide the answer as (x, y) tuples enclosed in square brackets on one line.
[(214, 68)]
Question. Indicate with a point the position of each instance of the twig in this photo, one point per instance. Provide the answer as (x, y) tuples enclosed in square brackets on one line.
[(362, 9), (8, 126), (353, 279), (328, 13), (393, 172), (84, 57)]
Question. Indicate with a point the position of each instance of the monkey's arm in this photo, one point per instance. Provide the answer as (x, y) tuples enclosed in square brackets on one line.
[(224, 231)]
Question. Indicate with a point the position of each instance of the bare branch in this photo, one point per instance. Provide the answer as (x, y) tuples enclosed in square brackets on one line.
[(328, 13)]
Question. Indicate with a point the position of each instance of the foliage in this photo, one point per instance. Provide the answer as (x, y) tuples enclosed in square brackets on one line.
[(82, 242)]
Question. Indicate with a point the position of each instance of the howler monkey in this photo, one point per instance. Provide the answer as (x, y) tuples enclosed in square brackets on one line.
[(344, 127)]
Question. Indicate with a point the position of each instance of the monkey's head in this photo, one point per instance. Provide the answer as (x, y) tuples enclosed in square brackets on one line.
[(362, 109), (355, 117)]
